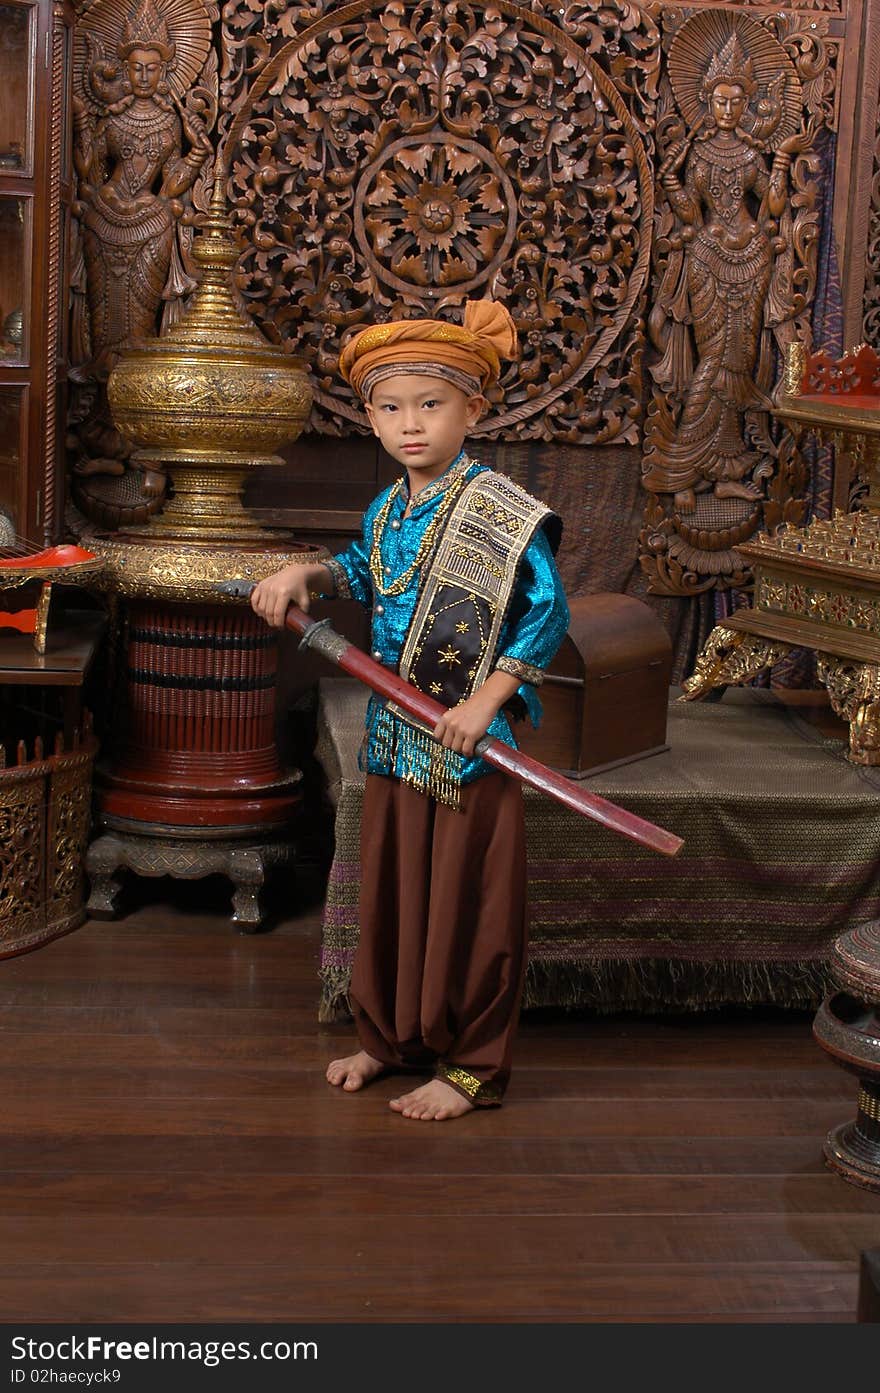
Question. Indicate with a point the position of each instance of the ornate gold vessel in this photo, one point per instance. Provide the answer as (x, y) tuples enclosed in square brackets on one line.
[(210, 400)]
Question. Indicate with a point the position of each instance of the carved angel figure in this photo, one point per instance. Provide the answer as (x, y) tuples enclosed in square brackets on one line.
[(720, 283), (132, 173)]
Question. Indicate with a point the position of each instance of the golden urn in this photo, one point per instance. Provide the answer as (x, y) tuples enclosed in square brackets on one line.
[(209, 400)]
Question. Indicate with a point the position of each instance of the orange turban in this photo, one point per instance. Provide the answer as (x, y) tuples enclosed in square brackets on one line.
[(470, 357)]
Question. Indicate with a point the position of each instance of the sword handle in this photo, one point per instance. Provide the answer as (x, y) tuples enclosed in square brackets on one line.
[(236, 589)]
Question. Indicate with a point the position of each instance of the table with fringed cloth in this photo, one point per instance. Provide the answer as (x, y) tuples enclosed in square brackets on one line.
[(782, 849)]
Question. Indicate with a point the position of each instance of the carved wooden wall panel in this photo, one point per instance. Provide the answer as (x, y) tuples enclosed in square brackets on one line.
[(394, 159), (872, 280), (870, 176), (742, 103)]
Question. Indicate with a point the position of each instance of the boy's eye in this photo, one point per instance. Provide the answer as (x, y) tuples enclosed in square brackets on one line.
[(432, 402)]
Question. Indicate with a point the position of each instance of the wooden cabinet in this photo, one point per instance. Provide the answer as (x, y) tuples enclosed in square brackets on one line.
[(36, 190)]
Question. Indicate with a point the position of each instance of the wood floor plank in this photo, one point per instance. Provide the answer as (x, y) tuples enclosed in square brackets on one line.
[(224, 993), (54, 1194), (322, 1111), (157, 1035), (441, 1291), (288, 1077), (402, 1153), (184, 1022), (45, 1033), (496, 1245)]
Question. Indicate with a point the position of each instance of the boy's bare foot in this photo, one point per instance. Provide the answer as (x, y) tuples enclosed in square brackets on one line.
[(354, 1071), (433, 1102)]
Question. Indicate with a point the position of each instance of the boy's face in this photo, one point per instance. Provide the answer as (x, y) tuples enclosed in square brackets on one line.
[(422, 421)]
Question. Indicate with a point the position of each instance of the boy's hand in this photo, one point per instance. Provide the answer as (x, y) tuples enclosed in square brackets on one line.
[(462, 726), (272, 596)]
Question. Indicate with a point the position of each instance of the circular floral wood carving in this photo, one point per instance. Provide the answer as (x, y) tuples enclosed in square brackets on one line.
[(395, 159), (431, 215)]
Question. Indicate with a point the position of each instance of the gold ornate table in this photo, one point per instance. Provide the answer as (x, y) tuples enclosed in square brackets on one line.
[(818, 586)]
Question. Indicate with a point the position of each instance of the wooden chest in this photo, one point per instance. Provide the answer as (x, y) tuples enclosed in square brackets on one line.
[(606, 692)]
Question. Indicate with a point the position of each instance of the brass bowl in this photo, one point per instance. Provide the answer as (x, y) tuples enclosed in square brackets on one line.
[(186, 402)]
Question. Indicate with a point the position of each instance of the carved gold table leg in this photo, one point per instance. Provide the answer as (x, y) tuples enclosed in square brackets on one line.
[(854, 689), (42, 622), (728, 657)]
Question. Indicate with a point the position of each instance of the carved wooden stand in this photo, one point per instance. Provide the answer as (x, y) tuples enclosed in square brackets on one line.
[(847, 1025), (152, 852)]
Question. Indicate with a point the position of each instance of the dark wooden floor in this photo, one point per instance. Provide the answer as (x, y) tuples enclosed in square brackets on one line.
[(170, 1151)]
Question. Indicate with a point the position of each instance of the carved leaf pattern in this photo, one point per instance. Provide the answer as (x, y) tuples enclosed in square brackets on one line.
[(416, 154), (45, 816), (21, 856), (872, 273), (69, 821)]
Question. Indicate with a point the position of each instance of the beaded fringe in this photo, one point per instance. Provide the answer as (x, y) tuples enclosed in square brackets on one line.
[(417, 758)]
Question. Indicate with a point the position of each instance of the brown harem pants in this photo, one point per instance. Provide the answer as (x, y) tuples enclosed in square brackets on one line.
[(439, 969)]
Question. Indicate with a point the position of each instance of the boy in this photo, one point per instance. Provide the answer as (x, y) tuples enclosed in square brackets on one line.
[(467, 605)]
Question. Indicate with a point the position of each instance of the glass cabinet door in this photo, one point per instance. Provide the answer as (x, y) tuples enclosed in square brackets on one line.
[(17, 39), (14, 278), (12, 415)]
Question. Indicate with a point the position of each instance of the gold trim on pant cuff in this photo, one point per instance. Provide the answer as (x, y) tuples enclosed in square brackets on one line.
[(477, 1091)]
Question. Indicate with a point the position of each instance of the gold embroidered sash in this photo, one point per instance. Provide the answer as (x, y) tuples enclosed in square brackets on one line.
[(467, 587)]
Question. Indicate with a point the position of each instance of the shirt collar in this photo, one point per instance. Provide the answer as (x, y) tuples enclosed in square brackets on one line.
[(460, 465)]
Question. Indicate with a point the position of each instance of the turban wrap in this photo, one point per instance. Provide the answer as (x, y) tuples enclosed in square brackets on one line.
[(469, 356)]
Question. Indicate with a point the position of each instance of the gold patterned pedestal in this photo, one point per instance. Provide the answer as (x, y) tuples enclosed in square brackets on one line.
[(193, 783), (818, 586)]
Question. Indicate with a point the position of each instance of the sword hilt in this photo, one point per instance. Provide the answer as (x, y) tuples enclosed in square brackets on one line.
[(311, 633), (236, 589), (243, 589)]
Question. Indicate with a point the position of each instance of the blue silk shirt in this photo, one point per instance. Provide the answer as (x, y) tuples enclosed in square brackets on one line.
[(536, 622)]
